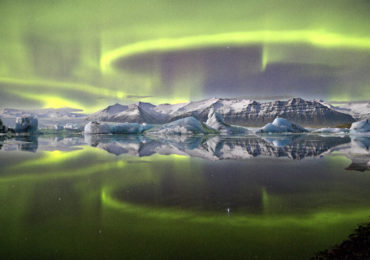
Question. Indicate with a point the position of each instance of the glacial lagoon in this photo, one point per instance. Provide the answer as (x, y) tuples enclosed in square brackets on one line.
[(142, 197)]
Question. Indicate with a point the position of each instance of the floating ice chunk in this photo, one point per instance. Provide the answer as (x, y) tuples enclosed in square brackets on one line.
[(95, 127), (362, 126), (331, 130), (184, 126), (216, 121), (129, 128), (26, 124), (282, 125)]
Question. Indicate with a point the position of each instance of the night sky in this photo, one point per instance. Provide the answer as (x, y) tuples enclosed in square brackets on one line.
[(89, 54)]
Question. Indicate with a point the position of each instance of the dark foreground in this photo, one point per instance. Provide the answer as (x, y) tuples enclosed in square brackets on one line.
[(357, 246)]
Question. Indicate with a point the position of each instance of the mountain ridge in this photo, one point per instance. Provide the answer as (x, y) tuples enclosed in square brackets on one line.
[(235, 111)]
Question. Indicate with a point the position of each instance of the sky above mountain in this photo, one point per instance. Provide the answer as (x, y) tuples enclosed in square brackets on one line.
[(89, 54)]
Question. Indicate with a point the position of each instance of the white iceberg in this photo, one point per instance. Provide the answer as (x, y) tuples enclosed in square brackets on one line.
[(331, 130), (362, 126), (183, 126), (28, 124), (216, 122), (95, 127), (129, 128), (281, 125), (71, 126)]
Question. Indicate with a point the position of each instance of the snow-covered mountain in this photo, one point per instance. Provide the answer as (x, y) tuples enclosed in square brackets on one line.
[(106, 113), (359, 110), (61, 113), (235, 111), (140, 112)]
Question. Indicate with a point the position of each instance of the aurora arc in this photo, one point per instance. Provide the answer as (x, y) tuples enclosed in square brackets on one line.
[(317, 38), (69, 51)]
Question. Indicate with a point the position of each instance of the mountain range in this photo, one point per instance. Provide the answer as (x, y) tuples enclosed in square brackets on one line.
[(243, 112)]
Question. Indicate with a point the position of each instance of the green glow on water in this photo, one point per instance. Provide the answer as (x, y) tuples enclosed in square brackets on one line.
[(55, 198), (317, 220)]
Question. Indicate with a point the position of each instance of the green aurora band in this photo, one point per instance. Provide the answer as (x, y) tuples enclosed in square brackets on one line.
[(56, 54)]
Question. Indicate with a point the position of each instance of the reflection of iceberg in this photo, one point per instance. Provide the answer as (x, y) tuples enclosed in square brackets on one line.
[(358, 151), (27, 143), (219, 148), (359, 154)]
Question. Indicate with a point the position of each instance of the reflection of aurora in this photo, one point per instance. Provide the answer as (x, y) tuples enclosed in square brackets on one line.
[(58, 158), (316, 220), (62, 158), (291, 206)]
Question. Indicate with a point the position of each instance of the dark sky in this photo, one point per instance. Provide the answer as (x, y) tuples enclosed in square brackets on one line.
[(89, 54)]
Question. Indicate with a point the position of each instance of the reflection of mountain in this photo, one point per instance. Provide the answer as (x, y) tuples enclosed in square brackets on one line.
[(218, 148), (295, 147)]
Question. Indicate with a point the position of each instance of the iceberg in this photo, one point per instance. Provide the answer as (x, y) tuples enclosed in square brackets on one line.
[(216, 121), (26, 124), (3, 128), (282, 125), (331, 130), (95, 127), (129, 128), (184, 126), (362, 126)]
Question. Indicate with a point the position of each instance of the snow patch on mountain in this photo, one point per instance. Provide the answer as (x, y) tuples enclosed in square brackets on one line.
[(359, 110)]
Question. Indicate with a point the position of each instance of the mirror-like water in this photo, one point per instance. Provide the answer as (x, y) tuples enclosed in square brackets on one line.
[(136, 197)]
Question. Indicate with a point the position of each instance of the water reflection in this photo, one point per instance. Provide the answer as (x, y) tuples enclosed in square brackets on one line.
[(19, 143), (294, 147), (275, 192)]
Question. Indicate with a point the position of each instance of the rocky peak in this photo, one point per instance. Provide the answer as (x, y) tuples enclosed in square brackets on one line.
[(296, 100), (115, 108)]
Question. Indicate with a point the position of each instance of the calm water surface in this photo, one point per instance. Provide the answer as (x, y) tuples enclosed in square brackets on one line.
[(135, 197)]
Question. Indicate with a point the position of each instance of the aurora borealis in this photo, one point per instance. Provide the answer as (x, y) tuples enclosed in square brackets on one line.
[(89, 54)]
